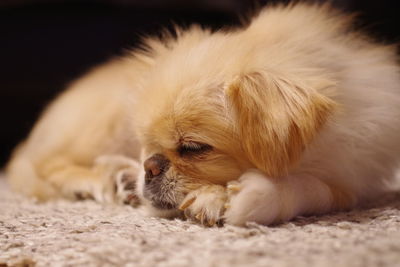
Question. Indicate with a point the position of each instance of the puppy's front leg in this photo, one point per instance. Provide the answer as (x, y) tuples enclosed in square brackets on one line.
[(112, 178), (264, 200)]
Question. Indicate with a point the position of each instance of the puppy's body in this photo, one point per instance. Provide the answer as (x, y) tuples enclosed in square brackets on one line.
[(86, 122), (293, 115)]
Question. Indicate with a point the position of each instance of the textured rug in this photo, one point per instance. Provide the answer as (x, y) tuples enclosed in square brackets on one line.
[(88, 234)]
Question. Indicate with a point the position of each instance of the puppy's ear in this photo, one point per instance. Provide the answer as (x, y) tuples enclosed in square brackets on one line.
[(276, 118)]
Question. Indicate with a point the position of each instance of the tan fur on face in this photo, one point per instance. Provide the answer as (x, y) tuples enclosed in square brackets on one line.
[(185, 121)]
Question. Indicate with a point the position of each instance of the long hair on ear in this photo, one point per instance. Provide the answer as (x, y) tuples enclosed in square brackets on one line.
[(277, 117)]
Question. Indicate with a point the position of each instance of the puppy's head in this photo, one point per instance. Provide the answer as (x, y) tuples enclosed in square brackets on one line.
[(210, 125)]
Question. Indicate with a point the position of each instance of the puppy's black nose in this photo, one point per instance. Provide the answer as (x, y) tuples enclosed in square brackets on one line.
[(156, 165)]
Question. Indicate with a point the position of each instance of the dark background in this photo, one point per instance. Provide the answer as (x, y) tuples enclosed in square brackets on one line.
[(46, 44)]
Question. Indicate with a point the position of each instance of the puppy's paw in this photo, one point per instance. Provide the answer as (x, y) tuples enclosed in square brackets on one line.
[(205, 205), (125, 187), (254, 198), (118, 174)]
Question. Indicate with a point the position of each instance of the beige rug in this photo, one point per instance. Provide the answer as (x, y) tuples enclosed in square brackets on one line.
[(88, 234)]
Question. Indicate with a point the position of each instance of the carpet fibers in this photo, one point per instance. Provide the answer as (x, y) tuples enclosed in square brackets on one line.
[(85, 233)]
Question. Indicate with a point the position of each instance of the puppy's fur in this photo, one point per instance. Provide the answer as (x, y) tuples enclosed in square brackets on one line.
[(295, 114)]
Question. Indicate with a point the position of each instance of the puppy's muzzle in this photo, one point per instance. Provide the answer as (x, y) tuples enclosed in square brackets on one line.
[(156, 188)]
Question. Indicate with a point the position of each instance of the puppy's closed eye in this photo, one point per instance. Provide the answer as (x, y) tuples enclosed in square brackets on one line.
[(191, 149)]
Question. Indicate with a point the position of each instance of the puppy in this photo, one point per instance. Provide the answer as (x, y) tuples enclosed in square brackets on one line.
[(294, 114)]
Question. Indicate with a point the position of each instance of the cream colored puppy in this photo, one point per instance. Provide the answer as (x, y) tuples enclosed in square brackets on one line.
[(295, 114)]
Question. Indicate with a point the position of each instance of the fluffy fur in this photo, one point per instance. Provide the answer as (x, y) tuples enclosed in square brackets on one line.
[(294, 114)]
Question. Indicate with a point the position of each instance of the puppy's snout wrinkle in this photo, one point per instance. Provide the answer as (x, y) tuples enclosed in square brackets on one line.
[(155, 166)]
